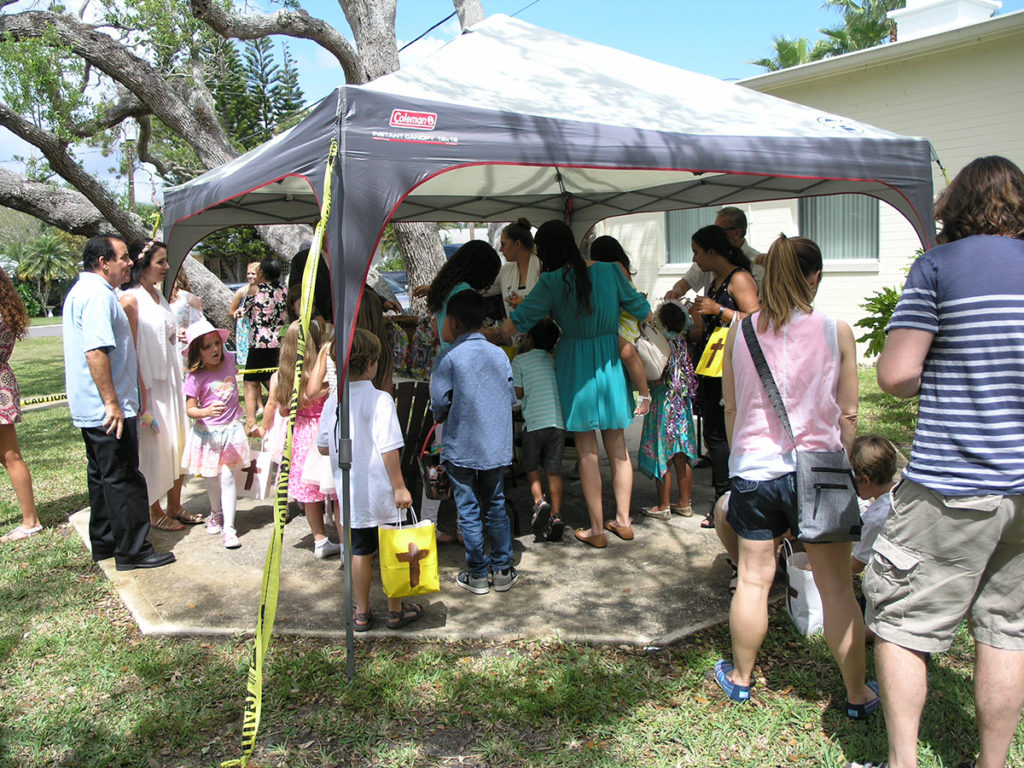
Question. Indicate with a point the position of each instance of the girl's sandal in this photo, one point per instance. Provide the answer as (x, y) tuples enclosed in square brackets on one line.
[(166, 523), (643, 405), (410, 612), (361, 622)]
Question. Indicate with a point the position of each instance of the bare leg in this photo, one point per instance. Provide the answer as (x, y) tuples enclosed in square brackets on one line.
[(844, 623), (726, 534), (156, 512), (590, 479), (684, 478), (903, 679), (315, 517), (622, 472), (536, 489), (555, 486), (748, 613), (252, 403), (999, 696), (174, 495), (663, 487), (635, 369), (21, 478), (362, 571)]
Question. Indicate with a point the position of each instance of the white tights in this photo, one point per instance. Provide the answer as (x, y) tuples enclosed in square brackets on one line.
[(223, 496)]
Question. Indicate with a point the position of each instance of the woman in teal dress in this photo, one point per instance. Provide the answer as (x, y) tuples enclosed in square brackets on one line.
[(585, 298)]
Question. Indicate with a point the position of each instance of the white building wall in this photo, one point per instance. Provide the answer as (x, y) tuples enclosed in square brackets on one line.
[(967, 100)]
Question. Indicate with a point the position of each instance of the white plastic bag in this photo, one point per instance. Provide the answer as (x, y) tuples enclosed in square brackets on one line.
[(803, 603)]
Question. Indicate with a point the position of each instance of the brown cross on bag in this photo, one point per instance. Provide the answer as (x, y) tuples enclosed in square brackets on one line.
[(413, 558)]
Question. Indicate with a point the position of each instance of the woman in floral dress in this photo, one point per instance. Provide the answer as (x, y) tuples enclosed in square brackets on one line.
[(13, 324), (268, 314)]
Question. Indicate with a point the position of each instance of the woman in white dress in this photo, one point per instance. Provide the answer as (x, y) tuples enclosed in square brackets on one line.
[(161, 397)]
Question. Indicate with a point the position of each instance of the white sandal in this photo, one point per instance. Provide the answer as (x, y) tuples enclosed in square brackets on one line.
[(21, 532), (641, 399)]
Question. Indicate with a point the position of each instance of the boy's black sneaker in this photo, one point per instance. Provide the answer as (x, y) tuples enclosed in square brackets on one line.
[(504, 580), (478, 585), (541, 516)]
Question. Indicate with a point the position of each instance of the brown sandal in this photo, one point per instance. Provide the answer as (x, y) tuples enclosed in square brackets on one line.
[(410, 612), (361, 622)]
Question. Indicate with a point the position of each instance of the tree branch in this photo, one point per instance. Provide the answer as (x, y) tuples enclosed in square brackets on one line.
[(192, 120), (128, 106), (60, 207), (56, 153), (292, 23)]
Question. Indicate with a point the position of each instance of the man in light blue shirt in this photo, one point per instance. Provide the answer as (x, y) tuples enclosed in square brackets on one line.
[(101, 373)]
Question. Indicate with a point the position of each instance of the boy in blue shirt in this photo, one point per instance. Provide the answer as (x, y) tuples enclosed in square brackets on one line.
[(471, 392), (533, 373)]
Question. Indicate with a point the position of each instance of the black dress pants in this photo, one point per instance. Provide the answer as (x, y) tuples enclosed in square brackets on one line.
[(118, 498), (709, 393)]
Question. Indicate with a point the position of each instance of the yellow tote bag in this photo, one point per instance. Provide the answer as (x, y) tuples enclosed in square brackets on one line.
[(711, 361), (408, 559)]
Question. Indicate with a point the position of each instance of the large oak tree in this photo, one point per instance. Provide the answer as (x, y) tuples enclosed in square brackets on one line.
[(70, 81)]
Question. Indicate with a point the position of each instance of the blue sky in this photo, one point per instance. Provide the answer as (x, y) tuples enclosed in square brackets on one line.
[(713, 38)]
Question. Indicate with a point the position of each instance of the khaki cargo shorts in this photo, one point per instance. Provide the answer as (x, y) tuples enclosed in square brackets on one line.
[(941, 558)]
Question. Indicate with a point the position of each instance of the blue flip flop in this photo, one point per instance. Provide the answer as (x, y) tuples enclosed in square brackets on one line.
[(733, 690), (865, 710)]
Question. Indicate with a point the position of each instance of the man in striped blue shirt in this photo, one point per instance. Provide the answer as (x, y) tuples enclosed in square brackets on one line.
[(954, 544)]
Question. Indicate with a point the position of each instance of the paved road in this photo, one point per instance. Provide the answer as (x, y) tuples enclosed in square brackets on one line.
[(38, 331)]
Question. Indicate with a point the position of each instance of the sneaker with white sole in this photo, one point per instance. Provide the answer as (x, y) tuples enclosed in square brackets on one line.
[(325, 548), (504, 580), (231, 539), (478, 585), (214, 523)]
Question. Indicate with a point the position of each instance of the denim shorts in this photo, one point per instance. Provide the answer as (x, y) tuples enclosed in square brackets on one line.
[(762, 510)]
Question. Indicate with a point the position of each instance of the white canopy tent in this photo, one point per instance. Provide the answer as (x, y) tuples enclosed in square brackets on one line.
[(512, 120)]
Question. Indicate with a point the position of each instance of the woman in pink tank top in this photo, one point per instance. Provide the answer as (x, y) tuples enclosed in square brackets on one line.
[(813, 360)]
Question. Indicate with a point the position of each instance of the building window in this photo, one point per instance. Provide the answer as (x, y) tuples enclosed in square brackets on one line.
[(679, 229), (843, 226)]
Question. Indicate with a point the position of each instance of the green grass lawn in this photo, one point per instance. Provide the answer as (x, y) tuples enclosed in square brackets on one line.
[(38, 364), (82, 686), (884, 414)]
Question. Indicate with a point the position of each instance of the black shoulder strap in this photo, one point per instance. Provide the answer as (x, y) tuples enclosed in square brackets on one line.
[(757, 355)]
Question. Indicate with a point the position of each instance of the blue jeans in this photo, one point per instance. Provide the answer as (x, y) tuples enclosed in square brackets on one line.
[(480, 494)]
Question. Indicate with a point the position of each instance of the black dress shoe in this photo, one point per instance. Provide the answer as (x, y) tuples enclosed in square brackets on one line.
[(150, 560)]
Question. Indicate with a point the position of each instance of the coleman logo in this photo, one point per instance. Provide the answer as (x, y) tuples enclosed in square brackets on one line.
[(420, 121)]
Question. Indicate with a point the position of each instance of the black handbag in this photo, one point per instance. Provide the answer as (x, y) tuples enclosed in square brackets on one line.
[(827, 509)]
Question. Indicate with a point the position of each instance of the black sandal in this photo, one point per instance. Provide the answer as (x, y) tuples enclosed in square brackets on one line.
[(410, 612), (555, 528), (709, 520), (735, 578)]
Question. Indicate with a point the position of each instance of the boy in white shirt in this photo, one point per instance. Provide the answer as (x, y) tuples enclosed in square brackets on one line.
[(376, 487), (874, 467)]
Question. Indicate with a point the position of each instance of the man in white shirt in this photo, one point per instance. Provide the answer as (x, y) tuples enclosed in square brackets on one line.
[(734, 222)]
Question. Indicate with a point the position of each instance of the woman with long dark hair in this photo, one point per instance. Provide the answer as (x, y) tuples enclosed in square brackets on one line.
[(162, 424), (13, 325), (585, 298), (813, 361), (473, 267), (731, 295)]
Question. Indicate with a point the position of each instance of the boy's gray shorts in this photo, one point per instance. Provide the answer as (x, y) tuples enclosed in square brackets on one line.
[(543, 448)]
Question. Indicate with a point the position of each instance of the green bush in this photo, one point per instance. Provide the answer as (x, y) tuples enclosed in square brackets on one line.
[(35, 309)]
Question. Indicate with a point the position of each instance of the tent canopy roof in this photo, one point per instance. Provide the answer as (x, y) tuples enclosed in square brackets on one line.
[(531, 122)]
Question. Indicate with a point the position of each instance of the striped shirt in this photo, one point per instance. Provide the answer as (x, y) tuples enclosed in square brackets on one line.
[(534, 372), (970, 430)]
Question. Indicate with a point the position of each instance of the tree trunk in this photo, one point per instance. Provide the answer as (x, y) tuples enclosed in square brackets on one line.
[(423, 255), (470, 12)]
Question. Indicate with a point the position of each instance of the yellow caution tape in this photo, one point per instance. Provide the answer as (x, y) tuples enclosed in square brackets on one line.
[(44, 399), (272, 567)]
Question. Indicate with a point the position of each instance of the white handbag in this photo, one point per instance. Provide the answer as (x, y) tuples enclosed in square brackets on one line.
[(653, 350), (803, 602)]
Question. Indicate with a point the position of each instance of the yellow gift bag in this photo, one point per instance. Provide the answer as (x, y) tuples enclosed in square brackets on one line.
[(711, 361), (408, 558)]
